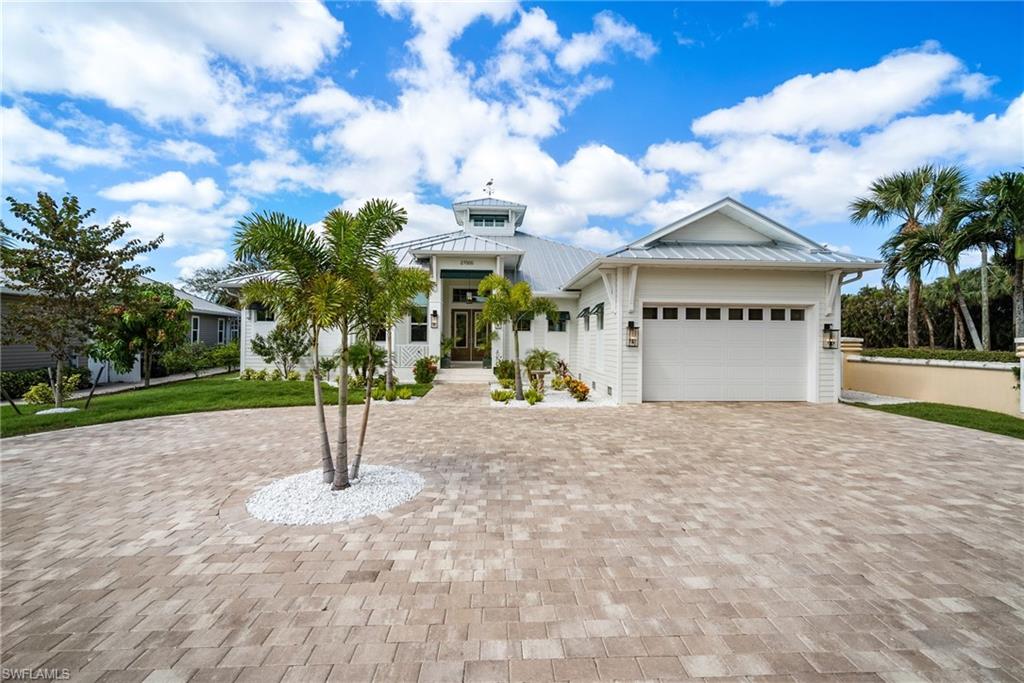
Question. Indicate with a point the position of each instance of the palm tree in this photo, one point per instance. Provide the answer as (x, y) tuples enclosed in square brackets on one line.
[(511, 304), (385, 299), (304, 291), (913, 198), (356, 243), (996, 219)]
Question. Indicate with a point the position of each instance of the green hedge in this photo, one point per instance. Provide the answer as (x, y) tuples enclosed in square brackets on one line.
[(17, 382), (944, 354)]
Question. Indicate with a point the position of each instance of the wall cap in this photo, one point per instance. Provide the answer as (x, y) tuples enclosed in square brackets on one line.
[(970, 364)]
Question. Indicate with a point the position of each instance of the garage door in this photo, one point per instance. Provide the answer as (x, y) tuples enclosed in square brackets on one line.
[(720, 353)]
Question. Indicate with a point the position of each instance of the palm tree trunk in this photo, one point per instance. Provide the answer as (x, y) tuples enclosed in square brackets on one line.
[(913, 306), (519, 376), (962, 303), (58, 385), (318, 397), (362, 428), (341, 469), (389, 377), (959, 338), (147, 365), (1018, 298), (986, 327), (930, 324)]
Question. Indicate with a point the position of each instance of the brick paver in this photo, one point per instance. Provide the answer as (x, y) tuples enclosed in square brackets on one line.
[(660, 541)]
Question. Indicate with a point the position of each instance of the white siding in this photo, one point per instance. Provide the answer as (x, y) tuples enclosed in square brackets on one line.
[(596, 360)]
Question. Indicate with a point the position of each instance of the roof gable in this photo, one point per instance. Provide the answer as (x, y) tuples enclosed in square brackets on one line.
[(727, 221)]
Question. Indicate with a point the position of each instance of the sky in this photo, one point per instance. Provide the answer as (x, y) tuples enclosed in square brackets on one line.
[(608, 120)]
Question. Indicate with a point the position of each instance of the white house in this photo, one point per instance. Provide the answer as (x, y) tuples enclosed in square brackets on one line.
[(723, 304)]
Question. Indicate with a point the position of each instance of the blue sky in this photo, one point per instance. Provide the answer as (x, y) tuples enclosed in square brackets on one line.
[(607, 119)]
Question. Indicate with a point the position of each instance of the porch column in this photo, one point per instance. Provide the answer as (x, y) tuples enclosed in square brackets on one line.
[(1019, 343), (498, 345), (435, 303)]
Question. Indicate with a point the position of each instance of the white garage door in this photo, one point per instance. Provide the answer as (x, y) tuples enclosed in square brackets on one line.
[(724, 353)]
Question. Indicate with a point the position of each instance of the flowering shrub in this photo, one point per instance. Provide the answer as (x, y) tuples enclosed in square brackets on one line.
[(425, 369), (558, 383), (578, 389)]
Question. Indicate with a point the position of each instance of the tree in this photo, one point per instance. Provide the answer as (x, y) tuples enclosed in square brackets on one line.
[(302, 289), (878, 315), (906, 197), (151, 321), (68, 274), (204, 280), (284, 346), (511, 304), (191, 357), (386, 297), (355, 243)]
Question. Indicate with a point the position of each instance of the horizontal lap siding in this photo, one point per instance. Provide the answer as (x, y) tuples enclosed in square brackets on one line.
[(595, 357), (678, 285)]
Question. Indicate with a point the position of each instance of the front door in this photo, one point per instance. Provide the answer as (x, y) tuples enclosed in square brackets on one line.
[(467, 338)]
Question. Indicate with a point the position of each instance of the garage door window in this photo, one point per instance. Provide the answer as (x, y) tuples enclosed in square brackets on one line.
[(712, 313), (755, 314), (693, 314), (735, 314), (778, 313), (796, 314), (650, 313), (670, 313)]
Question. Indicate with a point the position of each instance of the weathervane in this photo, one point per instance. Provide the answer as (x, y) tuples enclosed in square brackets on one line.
[(489, 187)]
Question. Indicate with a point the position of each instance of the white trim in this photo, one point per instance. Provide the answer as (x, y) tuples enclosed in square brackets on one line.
[(194, 332), (938, 362), (631, 296), (222, 330), (609, 287)]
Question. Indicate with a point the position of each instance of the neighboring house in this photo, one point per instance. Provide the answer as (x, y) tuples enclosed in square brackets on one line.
[(724, 304), (210, 323)]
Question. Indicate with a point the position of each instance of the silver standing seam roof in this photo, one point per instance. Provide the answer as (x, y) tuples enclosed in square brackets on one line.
[(766, 253), (199, 304)]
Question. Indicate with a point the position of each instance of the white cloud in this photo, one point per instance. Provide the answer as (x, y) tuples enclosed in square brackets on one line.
[(187, 151), (165, 62), (599, 239), (184, 225), (210, 258), (330, 104), (534, 30), (26, 144), (610, 31), (172, 187), (846, 100)]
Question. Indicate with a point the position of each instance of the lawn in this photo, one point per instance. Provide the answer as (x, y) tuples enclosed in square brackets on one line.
[(984, 420), (223, 392)]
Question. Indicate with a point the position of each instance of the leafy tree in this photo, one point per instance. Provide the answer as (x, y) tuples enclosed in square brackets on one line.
[(204, 280), (225, 355), (151, 321), (355, 242), (878, 315), (191, 357), (912, 199), (284, 346), (303, 290), (510, 304), (68, 274)]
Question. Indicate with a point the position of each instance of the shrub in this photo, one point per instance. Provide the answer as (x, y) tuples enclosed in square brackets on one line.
[(294, 376), (275, 375), (558, 383), (502, 395), (225, 355), (533, 396), (309, 377), (505, 369), (356, 383), (390, 395), (507, 383), (578, 389), (191, 357), (17, 382), (425, 369), (260, 375), (284, 346), (377, 394), (944, 354), (541, 359), (42, 394), (404, 393)]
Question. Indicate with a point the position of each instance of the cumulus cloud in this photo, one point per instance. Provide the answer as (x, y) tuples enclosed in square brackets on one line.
[(165, 62), (185, 225), (210, 258), (187, 151), (172, 187), (610, 31)]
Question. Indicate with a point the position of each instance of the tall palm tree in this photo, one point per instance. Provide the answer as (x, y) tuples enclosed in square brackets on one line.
[(385, 299), (913, 199), (510, 304), (356, 242), (304, 290), (996, 219)]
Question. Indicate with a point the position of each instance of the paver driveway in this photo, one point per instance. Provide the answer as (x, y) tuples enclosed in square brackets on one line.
[(658, 541)]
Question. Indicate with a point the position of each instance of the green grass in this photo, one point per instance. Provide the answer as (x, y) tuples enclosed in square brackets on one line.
[(224, 392), (975, 418)]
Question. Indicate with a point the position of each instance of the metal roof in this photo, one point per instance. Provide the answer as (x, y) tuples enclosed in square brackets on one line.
[(747, 253), (199, 304), (466, 244), (490, 201)]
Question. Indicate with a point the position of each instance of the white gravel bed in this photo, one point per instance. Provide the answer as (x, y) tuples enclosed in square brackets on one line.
[(305, 499), (553, 399), (54, 411)]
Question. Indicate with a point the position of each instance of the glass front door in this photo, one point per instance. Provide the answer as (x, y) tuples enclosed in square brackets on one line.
[(468, 340)]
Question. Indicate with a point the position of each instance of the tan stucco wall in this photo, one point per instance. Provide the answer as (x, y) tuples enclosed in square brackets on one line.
[(974, 388)]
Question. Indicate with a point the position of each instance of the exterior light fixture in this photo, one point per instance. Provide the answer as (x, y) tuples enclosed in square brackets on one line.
[(433, 319), (632, 335), (829, 337)]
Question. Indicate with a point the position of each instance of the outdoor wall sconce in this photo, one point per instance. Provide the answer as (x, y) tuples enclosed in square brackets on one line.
[(829, 337), (433, 319), (632, 335)]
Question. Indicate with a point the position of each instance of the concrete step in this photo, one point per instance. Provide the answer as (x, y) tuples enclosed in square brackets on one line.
[(464, 376)]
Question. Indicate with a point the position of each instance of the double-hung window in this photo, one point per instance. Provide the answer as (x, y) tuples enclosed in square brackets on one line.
[(418, 319), (195, 328)]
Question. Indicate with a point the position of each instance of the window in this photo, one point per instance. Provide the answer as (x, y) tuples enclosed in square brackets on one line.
[(418, 319), (220, 330), (598, 311), (670, 313), (485, 221), (467, 296), (195, 328), (796, 314), (713, 314), (735, 314), (693, 314), (650, 313), (263, 314), (234, 330), (755, 314), (560, 325), (523, 324), (586, 322), (778, 313)]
